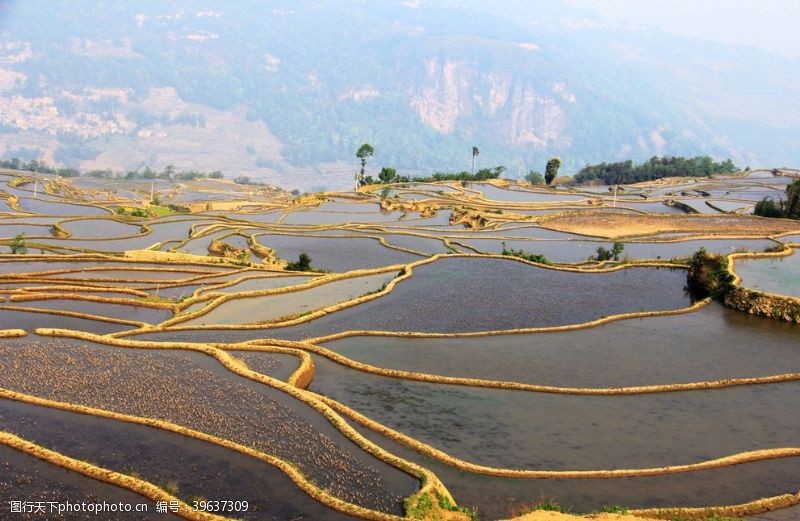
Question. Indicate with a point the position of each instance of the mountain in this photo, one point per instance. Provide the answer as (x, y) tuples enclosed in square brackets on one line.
[(287, 91)]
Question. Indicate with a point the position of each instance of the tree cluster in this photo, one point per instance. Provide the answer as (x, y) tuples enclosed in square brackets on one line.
[(168, 173), (551, 170), (389, 175), (522, 254), (708, 275), (303, 263), (626, 172), (604, 254), (37, 166), (147, 172), (790, 208), (244, 180)]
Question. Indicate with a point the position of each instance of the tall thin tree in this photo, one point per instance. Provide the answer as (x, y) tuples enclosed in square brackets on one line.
[(363, 152), (551, 170), (475, 152)]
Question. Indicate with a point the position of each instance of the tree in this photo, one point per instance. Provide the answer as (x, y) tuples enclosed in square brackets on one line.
[(604, 254), (625, 172), (551, 170), (364, 151), (708, 275), (767, 208), (18, 246), (789, 208), (303, 263), (387, 174), (792, 204), (475, 152), (216, 174), (534, 178)]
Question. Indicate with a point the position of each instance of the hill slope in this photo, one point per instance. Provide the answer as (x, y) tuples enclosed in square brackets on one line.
[(288, 93)]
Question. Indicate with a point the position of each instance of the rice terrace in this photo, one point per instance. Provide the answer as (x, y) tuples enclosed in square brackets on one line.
[(435, 260), (435, 349)]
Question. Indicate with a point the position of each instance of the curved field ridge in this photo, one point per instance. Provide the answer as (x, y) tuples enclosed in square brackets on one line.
[(139, 486), (12, 333), (238, 368), (518, 386), (430, 483), (758, 302), (106, 268), (290, 470)]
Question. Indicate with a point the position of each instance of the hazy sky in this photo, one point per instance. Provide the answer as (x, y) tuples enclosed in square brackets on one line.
[(768, 24)]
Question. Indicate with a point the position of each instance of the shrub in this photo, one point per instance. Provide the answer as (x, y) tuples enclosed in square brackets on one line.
[(767, 208), (532, 257), (708, 275), (303, 263), (604, 255), (18, 246)]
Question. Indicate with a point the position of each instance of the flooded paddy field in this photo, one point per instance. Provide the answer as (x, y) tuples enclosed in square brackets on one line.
[(337, 254), (256, 283), (100, 228), (446, 335), (495, 427), (39, 206), (194, 468), (779, 275), (573, 251), (8, 231), (26, 478), (276, 365), (11, 318), (646, 351), (487, 294), (101, 309), (272, 307), (206, 397), (500, 498)]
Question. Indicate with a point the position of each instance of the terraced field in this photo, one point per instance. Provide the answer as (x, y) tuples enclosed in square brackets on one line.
[(431, 350)]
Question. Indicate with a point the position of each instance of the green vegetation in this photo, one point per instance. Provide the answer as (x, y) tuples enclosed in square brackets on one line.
[(147, 172), (18, 246), (168, 173), (387, 175), (364, 152), (550, 506), (712, 518), (475, 153), (423, 507), (303, 263), (170, 487), (768, 208), (38, 166), (708, 275), (626, 172), (244, 180), (535, 178), (790, 208), (604, 254), (551, 170), (481, 175), (615, 509), (532, 257)]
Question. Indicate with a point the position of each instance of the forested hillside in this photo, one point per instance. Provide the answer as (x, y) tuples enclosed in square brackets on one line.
[(288, 93)]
